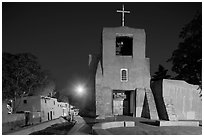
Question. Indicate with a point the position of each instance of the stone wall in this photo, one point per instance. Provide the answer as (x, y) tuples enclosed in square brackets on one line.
[(11, 121)]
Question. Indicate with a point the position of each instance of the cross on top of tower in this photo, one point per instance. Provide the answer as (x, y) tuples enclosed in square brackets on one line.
[(123, 15)]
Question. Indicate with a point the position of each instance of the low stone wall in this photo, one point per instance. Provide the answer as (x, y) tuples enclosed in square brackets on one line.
[(179, 123), (100, 128), (15, 121), (15, 125), (13, 117), (115, 124), (37, 127), (12, 122)]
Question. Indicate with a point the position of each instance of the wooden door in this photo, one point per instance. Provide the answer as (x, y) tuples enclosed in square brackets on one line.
[(126, 106), (118, 107)]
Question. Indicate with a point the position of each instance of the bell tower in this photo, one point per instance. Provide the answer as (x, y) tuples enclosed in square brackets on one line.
[(123, 73)]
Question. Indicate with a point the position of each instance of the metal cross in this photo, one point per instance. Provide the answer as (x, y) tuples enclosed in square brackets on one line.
[(123, 15)]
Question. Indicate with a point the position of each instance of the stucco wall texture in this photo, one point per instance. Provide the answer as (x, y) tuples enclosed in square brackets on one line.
[(185, 99), (109, 67), (177, 100), (137, 65), (44, 105)]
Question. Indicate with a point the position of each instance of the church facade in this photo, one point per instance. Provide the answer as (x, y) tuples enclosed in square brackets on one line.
[(122, 81), (120, 75)]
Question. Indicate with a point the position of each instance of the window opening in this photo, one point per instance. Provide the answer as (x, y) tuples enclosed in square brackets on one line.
[(25, 101), (124, 75), (124, 46)]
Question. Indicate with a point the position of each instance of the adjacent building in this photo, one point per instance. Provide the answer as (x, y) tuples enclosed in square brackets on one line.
[(47, 107)]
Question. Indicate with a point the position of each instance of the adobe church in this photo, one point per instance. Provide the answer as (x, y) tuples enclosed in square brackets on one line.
[(122, 74)]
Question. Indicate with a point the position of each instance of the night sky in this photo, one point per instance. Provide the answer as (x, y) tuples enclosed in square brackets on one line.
[(62, 35)]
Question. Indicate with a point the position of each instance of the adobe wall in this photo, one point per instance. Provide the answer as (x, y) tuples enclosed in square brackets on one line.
[(184, 97), (177, 100), (156, 87), (108, 68), (138, 66), (109, 36), (33, 104), (38, 104), (52, 105)]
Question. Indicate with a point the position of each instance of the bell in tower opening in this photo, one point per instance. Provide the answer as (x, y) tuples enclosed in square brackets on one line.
[(124, 45)]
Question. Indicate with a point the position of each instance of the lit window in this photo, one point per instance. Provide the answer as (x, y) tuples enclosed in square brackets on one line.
[(124, 75)]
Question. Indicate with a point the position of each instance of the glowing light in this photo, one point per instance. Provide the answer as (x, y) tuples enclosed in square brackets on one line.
[(80, 89)]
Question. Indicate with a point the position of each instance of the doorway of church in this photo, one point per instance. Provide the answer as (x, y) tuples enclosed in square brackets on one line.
[(123, 102)]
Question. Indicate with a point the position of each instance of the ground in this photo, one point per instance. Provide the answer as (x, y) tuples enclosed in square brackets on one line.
[(155, 130), (142, 128), (83, 127), (57, 129)]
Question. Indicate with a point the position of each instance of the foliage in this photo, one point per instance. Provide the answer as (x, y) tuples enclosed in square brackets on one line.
[(47, 89), (160, 74), (187, 58), (21, 75)]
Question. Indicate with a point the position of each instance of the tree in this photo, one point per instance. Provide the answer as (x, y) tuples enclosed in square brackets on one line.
[(46, 89), (160, 74), (61, 97), (21, 75), (187, 58)]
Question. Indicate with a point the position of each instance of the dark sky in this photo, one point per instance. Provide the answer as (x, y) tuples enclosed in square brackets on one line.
[(62, 35)]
